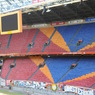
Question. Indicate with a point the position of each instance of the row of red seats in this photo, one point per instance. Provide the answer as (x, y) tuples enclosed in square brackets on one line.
[(19, 43), (24, 69), (88, 82)]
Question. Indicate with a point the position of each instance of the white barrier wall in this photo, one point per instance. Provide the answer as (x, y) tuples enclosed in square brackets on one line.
[(79, 90), (2, 82), (47, 86)]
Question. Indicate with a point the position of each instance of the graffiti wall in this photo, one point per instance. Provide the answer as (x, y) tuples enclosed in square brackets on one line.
[(34, 85), (79, 90)]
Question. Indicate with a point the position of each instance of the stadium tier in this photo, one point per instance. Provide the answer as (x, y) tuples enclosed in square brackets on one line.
[(57, 69), (24, 68), (58, 40)]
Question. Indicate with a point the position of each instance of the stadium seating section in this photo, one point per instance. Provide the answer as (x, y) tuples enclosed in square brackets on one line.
[(50, 40), (54, 40), (56, 67)]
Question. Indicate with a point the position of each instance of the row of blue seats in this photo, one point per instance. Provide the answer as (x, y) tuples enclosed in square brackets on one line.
[(73, 33), (58, 66)]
